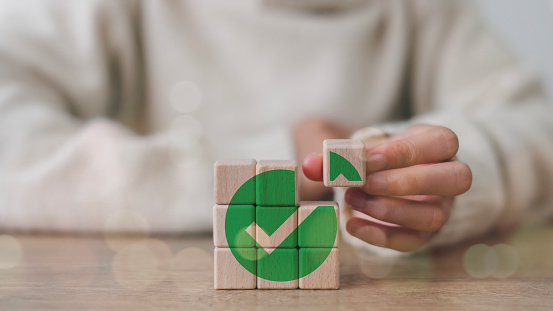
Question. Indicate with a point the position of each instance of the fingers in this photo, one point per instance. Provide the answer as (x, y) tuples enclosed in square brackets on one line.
[(426, 216), (313, 167), (412, 130), (422, 144), (447, 179), (400, 239)]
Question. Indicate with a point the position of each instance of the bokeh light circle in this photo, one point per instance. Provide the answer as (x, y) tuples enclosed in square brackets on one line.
[(141, 264), (185, 96), (474, 261), (122, 223), (186, 131), (185, 141), (186, 156), (506, 261), (482, 261), (375, 266)]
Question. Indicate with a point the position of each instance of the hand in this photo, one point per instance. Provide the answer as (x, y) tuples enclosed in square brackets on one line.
[(308, 137), (411, 181)]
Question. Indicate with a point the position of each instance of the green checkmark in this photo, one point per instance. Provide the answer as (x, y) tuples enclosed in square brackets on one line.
[(269, 219), (318, 229)]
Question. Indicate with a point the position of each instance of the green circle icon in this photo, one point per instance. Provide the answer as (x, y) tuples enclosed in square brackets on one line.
[(318, 229)]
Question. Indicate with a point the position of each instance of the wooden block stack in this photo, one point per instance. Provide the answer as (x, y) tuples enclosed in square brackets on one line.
[(312, 246), (277, 203), (229, 177), (285, 232)]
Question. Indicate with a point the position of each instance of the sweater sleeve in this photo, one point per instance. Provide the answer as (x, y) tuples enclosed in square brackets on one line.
[(464, 78), (69, 92)]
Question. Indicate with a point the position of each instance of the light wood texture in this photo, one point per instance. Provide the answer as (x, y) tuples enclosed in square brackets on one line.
[(219, 236), (305, 209), (219, 215), (327, 276), (229, 274), (82, 273), (278, 262), (351, 150), (284, 236), (277, 194), (229, 176)]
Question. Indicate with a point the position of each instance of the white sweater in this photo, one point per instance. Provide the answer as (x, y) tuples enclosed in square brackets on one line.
[(110, 105)]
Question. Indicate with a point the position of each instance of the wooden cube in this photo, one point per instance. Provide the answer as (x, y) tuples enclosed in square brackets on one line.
[(281, 262), (318, 224), (230, 274), (245, 214), (277, 183), (276, 226), (230, 175), (327, 275), (343, 163)]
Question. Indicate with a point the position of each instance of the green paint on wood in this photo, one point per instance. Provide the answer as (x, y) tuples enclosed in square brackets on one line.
[(276, 188), (311, 257), (281, 265), (319, 228), (341, 166), (240, 217), (270, 218)]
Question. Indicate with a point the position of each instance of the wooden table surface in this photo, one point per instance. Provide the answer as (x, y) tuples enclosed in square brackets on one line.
[(515, 271)]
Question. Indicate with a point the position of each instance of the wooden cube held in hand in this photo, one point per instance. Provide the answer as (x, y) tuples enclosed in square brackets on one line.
[(343, 163)]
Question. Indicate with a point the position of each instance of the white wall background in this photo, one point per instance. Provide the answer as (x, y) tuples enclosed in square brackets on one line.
[(528, 26)]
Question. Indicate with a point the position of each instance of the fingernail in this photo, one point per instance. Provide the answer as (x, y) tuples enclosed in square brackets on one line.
[(377, 182), (356, 199), (376, 162)]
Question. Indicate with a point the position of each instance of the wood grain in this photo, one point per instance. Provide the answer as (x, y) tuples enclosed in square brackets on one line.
[(351, 150), (263, 192), (219, 235), (58, 272), (327, 276), (229, 175), (219, 215), (285, 235), (266, 284), (229, 274), (306, 208)]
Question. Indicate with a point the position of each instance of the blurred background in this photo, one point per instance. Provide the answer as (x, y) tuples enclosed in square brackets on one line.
[(528, 26)]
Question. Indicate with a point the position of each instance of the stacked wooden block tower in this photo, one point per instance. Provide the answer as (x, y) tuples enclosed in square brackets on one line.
[(286, 239)]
